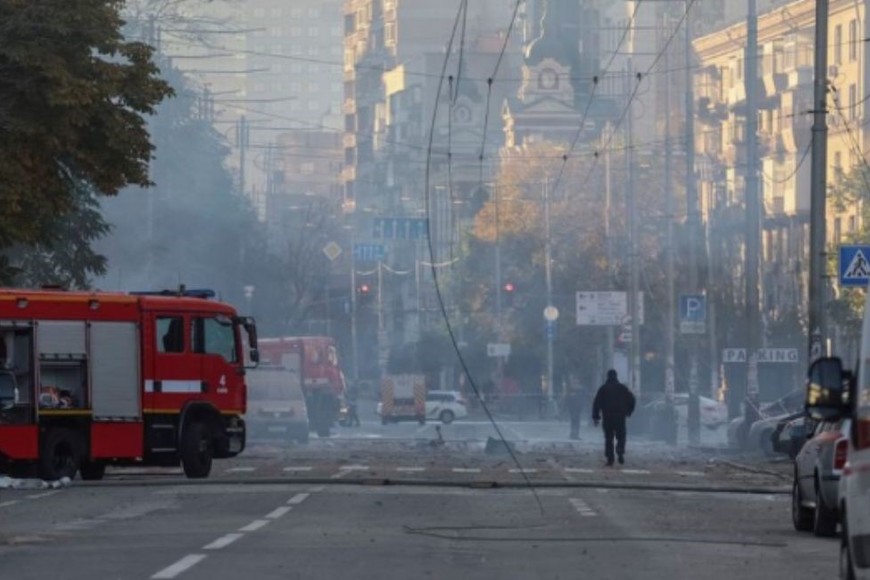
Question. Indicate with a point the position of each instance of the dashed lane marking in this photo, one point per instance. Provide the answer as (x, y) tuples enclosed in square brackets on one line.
[(582, 508), (636, 471), (466, 470), (241, 470), (410, 469), (298, 498), (317, 489), (354, 468), (299, 468), (223, 542), (523, 470), (691, 473), (254, 526), (8, 503), (42, 495), (179, 567), (578, 470), (278, 512)]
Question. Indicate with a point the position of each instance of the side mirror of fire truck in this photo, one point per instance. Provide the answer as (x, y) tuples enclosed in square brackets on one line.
[(250, 327)]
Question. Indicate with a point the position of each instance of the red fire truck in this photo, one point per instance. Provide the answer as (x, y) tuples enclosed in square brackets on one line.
[(92, 379), (314, 359)]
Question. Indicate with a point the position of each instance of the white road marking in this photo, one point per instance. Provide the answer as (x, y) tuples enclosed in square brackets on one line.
[(466, 470), (241, 470), (691, 473), (223, 542), (254, 526), (354, 468), (182, 565), (581, 507), (411, 469), (579, 470), (298, 468), (8, 503), (636, 471), (523, 470), (298, 498), (278, 512), (317, 489), (42, 495)]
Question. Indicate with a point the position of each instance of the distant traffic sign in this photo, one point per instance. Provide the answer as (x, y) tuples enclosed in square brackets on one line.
[(400, 228), (693, 314), (605, 308), (332, 251), (369, 252), (496, 349), (854, 265)]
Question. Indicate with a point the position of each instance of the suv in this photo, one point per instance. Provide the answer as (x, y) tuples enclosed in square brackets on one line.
[(445, 406)]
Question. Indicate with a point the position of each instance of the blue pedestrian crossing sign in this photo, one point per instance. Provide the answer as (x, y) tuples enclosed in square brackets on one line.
[(854, 265)]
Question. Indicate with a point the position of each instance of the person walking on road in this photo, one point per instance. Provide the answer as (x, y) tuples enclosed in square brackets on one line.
[(614, 402), (574, 407)]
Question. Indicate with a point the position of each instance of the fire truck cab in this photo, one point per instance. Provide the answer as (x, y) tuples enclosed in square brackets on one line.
[(93, 379)]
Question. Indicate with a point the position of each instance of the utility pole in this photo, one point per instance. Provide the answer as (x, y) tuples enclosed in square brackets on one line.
[(498, 288), (670, 316), (693, 218), (242, 139), (753, 215), (608, 202), (818, 186), (549, 279), (633, 306)]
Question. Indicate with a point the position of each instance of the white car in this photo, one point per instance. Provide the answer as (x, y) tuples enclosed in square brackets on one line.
[(446, 406), (713, 413)]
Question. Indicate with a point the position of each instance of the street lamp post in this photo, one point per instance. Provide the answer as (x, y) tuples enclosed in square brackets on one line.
[(550, 313)]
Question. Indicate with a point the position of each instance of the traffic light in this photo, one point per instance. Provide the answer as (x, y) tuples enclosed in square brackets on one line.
[(508, 293), (363, 294)]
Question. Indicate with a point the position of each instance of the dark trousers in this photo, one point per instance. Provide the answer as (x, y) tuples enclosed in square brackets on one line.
[(575, 426), (614, 426)]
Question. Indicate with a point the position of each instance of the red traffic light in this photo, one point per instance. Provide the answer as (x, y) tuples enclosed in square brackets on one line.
[(509, 287), (364, 289)]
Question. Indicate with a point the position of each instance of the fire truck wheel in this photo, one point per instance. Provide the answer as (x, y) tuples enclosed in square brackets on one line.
[(61, 454), (196, 451), (92, 470)]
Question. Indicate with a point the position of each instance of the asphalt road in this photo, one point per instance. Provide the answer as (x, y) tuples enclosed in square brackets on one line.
[(223, 531), (383, 502)]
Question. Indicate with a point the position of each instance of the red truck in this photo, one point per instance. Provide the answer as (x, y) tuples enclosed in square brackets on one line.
[(89, 379), (314, 360)]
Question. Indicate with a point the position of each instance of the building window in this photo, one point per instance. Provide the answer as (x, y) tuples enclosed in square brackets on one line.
[(390, 34), (853, 224), (306, 168), (313, 31), (853, 101), (838, 229), (853, 40), (838, 44), (838, 166)]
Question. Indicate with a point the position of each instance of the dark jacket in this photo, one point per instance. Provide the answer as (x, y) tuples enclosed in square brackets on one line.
[(574, 402), (613, 398)]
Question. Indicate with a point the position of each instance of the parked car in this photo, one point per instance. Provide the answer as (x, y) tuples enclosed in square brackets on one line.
[(446, 406), (714, 414), (790, 435), (817, 470), (761, 433), (276, 405), (739, 435)]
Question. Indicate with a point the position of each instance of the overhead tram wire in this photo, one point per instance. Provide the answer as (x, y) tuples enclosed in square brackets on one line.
[(639, 77), (491, 79), (431, 247), (595, 80)]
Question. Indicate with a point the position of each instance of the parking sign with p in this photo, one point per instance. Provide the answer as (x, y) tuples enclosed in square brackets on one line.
[(693, 314)]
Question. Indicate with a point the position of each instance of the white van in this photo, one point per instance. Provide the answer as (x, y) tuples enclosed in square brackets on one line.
[(833, 393)]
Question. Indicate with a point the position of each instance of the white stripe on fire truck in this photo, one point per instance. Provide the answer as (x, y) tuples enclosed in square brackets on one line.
[(174, 386)]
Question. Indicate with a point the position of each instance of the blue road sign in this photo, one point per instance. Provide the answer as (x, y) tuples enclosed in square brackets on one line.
[(693, 307), (854, 265), (693, 313), (399, 228), (369, 252), (550, 329)]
